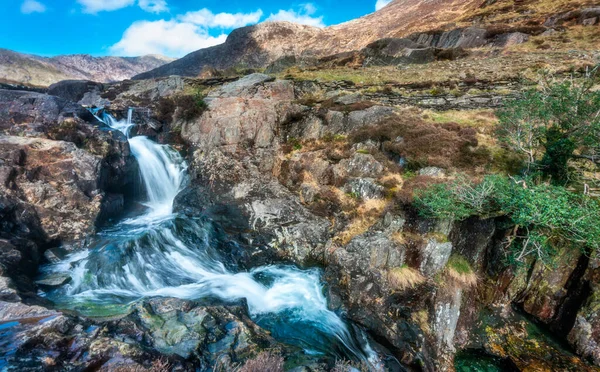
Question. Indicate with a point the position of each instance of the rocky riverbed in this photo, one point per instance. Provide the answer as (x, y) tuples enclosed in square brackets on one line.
[(287, 172)]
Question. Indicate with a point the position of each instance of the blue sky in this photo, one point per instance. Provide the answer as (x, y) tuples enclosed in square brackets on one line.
[(137, 27)]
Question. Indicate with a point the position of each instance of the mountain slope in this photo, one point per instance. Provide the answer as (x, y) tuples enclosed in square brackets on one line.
[(257, 46), (42, 71)]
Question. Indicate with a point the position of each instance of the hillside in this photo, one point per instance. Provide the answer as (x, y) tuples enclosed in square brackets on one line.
[(41, 71), (446, 24)]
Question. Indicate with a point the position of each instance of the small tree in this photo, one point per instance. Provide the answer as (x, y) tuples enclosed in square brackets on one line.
[(554, 124)]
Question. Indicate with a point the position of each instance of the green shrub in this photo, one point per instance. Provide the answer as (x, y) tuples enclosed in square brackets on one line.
[(544, 216)]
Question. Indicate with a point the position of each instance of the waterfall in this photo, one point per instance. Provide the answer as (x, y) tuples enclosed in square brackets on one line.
[(159, 253)]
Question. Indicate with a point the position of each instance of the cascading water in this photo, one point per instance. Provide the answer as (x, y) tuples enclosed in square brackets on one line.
[(159, 253)]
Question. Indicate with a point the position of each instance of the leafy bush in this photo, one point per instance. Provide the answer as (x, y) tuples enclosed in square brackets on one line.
[(544, 216)]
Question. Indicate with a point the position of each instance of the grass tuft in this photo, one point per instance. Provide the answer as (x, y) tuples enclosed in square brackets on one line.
[(459, 270), (404, 277)]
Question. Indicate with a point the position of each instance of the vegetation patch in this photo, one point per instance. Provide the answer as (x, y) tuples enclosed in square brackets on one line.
[(544, 216), (459, 270), (403, 278), (264, 362), (185, 107), (423, 144)]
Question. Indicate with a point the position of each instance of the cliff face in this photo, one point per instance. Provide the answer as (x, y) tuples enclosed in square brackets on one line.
[(40, 71)]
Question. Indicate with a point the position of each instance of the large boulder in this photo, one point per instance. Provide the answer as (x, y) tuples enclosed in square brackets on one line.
[(74, 90), (212, 334), (237, 142)]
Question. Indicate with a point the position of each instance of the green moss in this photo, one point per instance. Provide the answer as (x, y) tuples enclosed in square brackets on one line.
[(459, 264)]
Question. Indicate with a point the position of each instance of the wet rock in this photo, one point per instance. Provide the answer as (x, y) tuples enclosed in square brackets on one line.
[(447, 312), (510, 39), (35, 114), (386, 52), (371, 251), (583, 337), (153, 89), (246, 112), (470, 37), (8, 292), (208, 332), (60, 181), (547, 288), (244, 87), (585, 333), (10, 311), (209, 72), (472, 239), (282, 64), (349, 99), (54, 280)]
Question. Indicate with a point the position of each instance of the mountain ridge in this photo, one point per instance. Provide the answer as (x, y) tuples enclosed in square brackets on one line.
[(259, 45), (36, 70)]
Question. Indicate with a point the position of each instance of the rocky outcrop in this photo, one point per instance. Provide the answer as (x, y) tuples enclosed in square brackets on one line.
[(59, 180), (61, 175)]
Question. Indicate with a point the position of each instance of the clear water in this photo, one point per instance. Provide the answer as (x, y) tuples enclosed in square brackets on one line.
[(159, 253)]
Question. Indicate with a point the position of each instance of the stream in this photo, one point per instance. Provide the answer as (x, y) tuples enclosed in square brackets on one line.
[(158, 253)]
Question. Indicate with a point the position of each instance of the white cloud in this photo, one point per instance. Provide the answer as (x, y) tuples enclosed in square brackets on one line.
[(32, 6), (208, 19), (153, 6), (381, 4), (95, 6), (170, 38), (191, 31), (304, 16)]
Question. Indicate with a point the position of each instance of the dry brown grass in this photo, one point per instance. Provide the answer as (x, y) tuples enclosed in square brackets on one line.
[(391, 180), (404, 277), (422, 319), (584, 38), (482, 65), (264, 362), (512, 11), (479, 118), (463, 280), (367, 214), (458, 272), (443, 145)]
